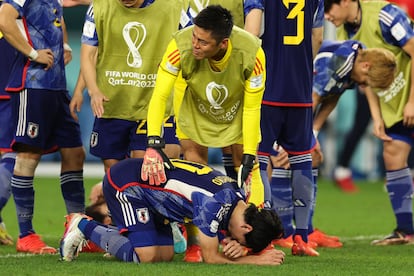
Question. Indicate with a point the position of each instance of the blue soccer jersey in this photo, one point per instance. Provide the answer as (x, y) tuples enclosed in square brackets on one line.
[(333, 66), (396, 27), (43, 30), (287, 40), (248, 5), (8, 55), (319, 17), (192, 192)]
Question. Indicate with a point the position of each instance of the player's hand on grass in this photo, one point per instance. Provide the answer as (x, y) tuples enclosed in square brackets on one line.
[(271, 257), (232, 249)]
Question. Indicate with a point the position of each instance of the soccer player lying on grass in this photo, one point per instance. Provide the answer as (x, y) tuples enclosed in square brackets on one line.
[(196, 192)]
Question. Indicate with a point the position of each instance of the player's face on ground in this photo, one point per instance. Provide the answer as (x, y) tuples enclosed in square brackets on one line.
[(131, 3), (337, 15), (204, 45), (238, 235)]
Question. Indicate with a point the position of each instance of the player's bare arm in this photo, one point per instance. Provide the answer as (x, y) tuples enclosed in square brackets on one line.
[(11, 31), (88, 68), (409, 107)]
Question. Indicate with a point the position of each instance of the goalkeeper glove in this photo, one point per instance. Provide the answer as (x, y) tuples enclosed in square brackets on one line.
[(153, 164), (244, 174)]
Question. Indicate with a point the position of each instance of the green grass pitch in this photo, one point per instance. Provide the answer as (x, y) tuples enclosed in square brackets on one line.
[(355, 218)]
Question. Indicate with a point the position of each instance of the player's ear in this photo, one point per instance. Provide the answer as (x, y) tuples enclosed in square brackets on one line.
[(224, 43), (366, 65), (247, 228)]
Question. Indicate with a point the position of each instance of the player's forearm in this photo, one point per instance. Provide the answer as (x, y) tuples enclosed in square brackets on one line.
[(10, 30), (253, 22), (88, 67), (80, 84), (251, 130), (326, 108), (374, 104), (158, 103)]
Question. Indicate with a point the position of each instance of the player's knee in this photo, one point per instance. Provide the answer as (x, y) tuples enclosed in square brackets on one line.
[(73, 157), (148, 254), (25, 166)]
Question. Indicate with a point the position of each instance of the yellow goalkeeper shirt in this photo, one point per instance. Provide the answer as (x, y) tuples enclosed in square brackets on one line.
[(222, 101)]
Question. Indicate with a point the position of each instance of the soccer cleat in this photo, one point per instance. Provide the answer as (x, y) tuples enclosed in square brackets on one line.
[(33, 244), (301, 248), (323, 240), (285, 243), (335, 238), (5, 238), (346, 184), (180, 243), (395, 238), (73, 239), (193, 254), (288, 243), (91, 247)]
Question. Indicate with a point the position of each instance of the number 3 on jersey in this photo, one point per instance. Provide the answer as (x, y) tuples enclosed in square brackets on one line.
[(295, 13)]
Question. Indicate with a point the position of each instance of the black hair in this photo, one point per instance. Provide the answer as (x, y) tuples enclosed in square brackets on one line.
[(328, 4), (266, 227), (216, 19)]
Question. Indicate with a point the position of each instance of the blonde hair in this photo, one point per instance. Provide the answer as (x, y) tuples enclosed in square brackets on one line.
[(383, 66)]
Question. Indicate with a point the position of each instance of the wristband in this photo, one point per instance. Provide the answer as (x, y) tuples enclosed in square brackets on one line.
[(33, 55), (155, 142), (248, 160), (66, 47), (315, 133)]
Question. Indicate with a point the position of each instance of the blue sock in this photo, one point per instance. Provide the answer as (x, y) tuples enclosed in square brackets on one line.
[(263, 163), (23, 194), (312, 210), (267, 191), (6, 171), (73, 192), (228, 164), (400, 192), (282, 198), (109, 240), (302, 186)]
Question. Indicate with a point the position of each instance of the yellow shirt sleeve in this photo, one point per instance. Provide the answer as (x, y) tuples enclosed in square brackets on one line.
[(253, 94), (167, 74)]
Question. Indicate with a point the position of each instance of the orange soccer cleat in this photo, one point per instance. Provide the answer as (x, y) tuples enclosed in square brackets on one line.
[(193, 254), (323, 240), (301, 248), (33, 244)]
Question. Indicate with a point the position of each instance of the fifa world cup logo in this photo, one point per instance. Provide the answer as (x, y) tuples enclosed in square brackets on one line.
[(134, 35), (216, 95)]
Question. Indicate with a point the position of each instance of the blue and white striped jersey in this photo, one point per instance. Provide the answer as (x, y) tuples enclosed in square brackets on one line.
[(333, 66), (192, 192)]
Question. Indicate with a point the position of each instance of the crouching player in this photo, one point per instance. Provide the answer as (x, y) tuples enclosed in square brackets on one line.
[(142, 212)]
